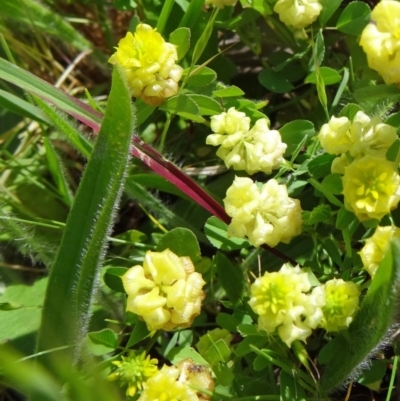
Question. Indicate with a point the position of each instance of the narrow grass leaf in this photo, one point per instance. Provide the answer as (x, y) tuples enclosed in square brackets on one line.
[(73, 277)]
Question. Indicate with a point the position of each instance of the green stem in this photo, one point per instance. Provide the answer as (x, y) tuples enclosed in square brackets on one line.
[(165, 12), (392, 378), (164, 133)]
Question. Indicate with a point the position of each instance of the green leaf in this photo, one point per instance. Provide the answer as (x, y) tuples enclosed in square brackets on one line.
[(328, 195), (294, 132), (74, 137), (350, 111), (231, 91), (320, 166), (183, 106), (200, 76), (182, 242), (112, 278), (139, 333), (178, 354), (394, 120), (204, 38), (274, 81), (320, 214), (261, 6), (377, 92), (207, 106), (215, 231), (376, 371), (21, 107), (328, 75), (181, 38), (231, 277), (48, 92), (56, 170), (73, 277), (354, 18), (290, 389), (105, 337), (333, 184), (35, 16), (214, 346), (331, 249), (25, 308), (351, 347), (328, 9), (227, 322), (344, 219)]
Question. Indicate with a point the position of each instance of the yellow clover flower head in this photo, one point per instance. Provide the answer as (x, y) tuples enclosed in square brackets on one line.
[(149, 65), (341, 304), (298, 13), (335, 135), (267, 215), (166, 291), (364, 135), (197, 377), (221, 3), (133, 370), (371, 187), (258, 149), (380, 41), (165, 386), (375, 247), (282, 302)]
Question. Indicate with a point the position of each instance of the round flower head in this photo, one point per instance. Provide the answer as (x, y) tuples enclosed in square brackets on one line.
[(282, 303), (335, 136), (133, 371), (221, 3), (371, 187), (360, 137), (197, 377), (266, 215), (380, 40), (298, 13), (376, 247), (341, 304), (166, 291), (165, 386), (258, 149), (149, 65)]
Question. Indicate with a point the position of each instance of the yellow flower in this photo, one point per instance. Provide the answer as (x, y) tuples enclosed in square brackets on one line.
[(371, 187), (298, 13), (266, 215), (133, 371), (197, 377), (258, 149), (380, 41), (221, 3), (165, 386), (335, 136), (376, 247), (166, 291), (341, 304), (149, 65), (282, 302), (362, 136)]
